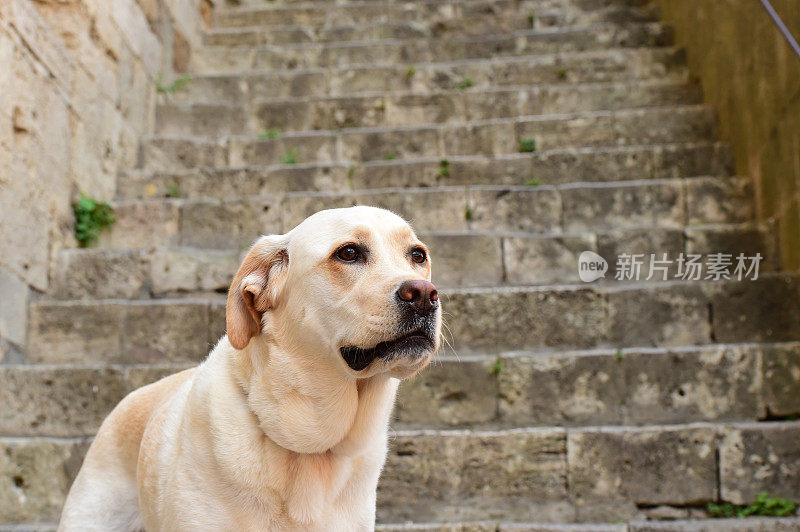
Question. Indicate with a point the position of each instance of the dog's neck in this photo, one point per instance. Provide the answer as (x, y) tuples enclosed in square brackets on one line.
[(306, 404)]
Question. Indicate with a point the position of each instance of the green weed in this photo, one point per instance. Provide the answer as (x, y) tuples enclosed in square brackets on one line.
[(91, 217)]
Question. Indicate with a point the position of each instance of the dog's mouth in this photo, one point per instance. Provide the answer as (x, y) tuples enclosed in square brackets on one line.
[(414, 343)]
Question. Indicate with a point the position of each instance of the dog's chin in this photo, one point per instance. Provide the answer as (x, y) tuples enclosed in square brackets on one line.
[(410, 347)]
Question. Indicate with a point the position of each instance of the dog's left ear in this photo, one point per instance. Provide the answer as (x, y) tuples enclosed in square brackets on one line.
[(255, 288)]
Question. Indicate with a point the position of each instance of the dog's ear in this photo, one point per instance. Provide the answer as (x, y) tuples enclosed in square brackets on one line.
[(255, 288)]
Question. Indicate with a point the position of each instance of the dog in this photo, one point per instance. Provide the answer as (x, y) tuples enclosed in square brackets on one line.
[(285, 425)]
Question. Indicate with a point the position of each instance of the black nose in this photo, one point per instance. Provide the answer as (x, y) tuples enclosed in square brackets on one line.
[(419, 295)]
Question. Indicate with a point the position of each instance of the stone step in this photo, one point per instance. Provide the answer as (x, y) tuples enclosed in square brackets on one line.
[(462, 259), (431, 18), (700, 523), (652, 125), (549, 474), (569, 208), (747, 524), (553, 167), (240, 28), (269, 123), (632, 386), (606, 315), (289, 87), (411, 51)]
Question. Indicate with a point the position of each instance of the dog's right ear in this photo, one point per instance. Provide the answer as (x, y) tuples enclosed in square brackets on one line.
[(255, 288)]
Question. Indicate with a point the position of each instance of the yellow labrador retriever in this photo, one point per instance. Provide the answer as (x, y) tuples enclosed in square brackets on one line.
[(284, 426)]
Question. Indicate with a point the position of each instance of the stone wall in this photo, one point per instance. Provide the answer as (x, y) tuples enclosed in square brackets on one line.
[(77, 90), (751, 75)]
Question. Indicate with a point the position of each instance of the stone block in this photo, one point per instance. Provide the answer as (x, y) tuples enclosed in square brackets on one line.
[(531, 209), (758, 458), (100, 274), (166, 332), (525, 319), (781, 379), (657, 315), (448, 393), (75, 332), (650, 466), (35, 476), (593, 207), (543, 260)]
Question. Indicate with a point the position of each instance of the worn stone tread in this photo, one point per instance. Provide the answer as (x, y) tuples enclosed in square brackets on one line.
[(568, 208), (551, 474), (631, 386), (492, 73), (479, 319), (241, 57), (588, 164), (462, 259)]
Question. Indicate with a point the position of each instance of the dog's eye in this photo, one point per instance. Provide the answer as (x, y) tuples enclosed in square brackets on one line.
[(418, 255), (348, 254)]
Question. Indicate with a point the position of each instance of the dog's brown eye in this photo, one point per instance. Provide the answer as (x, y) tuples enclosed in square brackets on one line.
[(418, 255), (347, 254)]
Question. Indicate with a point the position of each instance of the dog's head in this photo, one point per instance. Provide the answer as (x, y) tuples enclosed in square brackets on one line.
[(350, 284)]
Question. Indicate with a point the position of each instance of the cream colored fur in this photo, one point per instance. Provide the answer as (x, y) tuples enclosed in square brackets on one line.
[(273, 431)]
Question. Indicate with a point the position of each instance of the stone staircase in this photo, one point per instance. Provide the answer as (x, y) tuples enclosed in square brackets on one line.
[(514, 134)]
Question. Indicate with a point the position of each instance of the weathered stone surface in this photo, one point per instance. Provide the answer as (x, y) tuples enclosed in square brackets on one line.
[(660, 315), (498, 473), (440, 209), (66, 401), (592, 207), (535, 209), (184, 269), (781, 379), (449, 393), (228, 224), (100, 274), (647, 244), (767, 309), (712, 200), (35, 475), (681, 386), (542, 260), (758, 458), (178, 331), (142, 224), (14, 310), (463, 259), (651, 466), (561, 390), (54, 402), (524, 319), (75, 331), (750, 524)]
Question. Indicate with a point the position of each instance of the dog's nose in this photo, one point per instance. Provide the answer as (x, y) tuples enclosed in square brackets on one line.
[(420, 295)]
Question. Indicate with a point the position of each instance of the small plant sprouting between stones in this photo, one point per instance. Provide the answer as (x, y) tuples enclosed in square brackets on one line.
[(444, 168), (764, 504), (527, 145), (269, 134), (466, 83), (468, 214), (290, 157), (532, 182), (618, 355), (561, 73), (173, 191), (91, 217), (497, 367), (391, 156), (532, 19), (410, 71), (173, 87)]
